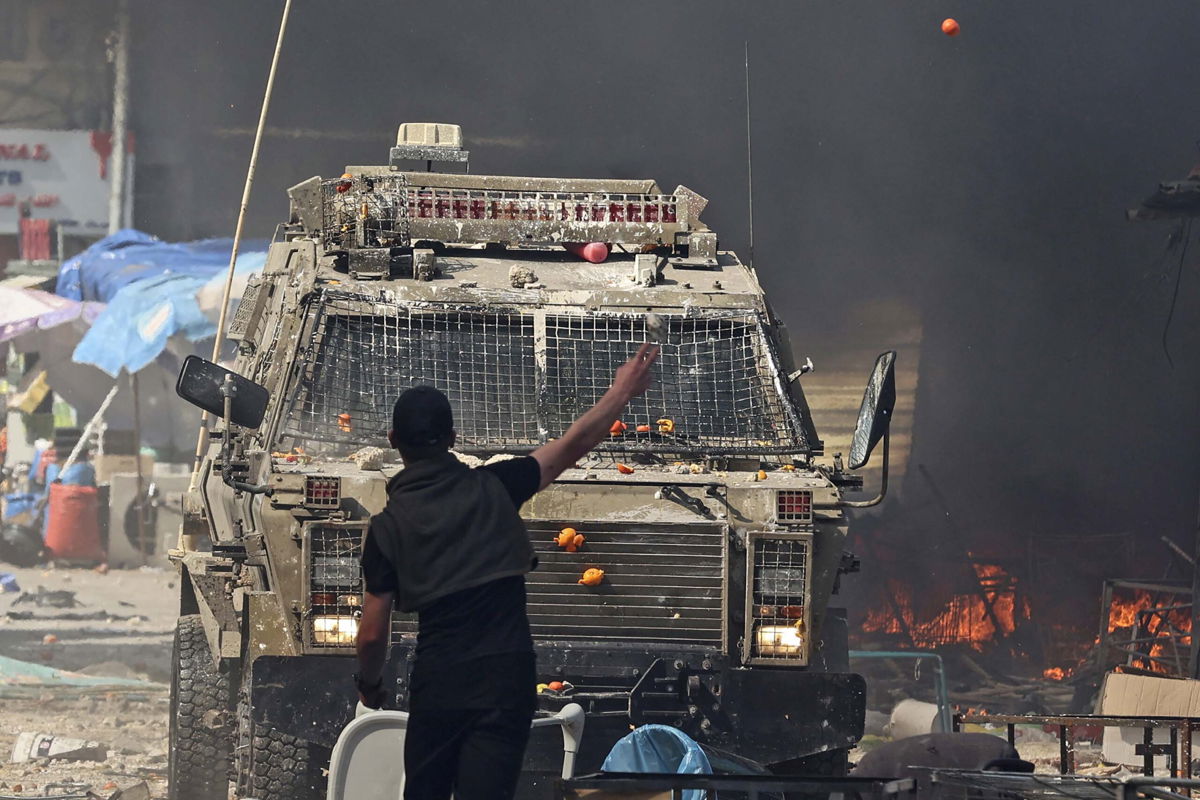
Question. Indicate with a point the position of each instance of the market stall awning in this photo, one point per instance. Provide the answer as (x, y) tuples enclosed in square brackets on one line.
[(23, 310)]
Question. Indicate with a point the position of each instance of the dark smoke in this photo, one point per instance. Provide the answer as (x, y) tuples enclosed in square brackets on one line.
[(980, 179)]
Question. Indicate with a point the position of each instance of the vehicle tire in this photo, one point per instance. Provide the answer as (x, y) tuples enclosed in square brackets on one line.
[(201, 746), (284, 767)]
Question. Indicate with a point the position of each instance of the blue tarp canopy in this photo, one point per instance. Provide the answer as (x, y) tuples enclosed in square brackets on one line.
[(150, 289)]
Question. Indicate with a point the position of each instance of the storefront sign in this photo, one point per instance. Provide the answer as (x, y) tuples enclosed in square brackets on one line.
[(58, 175)]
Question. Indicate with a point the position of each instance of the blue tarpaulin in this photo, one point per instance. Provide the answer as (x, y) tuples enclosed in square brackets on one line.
[(150, 287), (659, 748)]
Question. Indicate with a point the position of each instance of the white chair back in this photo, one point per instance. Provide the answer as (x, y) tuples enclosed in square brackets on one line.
[(367, 762)]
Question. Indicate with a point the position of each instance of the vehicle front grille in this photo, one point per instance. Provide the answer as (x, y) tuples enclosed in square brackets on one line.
[(662, 583)]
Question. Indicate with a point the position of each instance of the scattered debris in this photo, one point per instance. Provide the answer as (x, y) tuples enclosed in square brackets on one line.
[(520, 275), (139, 791), (76, 616), (369, 458), (8, 582), (656, 328), (100, 693), (52, 598), (112, 669), (32, 746), (17, 675)]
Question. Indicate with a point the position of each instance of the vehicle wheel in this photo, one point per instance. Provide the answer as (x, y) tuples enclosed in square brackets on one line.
[(284, 767), (201, 747)]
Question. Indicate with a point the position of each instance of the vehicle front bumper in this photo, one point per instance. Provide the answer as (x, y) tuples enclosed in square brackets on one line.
[(769, 715)]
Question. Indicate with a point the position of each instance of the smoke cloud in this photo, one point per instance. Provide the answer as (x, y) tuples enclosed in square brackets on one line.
[(979, 179)]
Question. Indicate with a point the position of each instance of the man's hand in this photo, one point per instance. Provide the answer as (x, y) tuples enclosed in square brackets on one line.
[(632, 380), (374, 628), (374, 698), (633, 377)]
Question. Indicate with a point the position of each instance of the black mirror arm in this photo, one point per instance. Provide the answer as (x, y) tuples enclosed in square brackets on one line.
[(883, 484), (227, 390)]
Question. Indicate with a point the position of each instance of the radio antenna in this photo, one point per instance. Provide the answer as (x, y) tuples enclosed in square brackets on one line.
[(749, 159), (202, 439)]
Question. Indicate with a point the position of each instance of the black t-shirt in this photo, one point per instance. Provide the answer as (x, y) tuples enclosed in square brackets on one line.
[(474, 649)]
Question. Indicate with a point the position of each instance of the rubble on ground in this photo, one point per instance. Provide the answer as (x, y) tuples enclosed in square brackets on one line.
[(89, 662)]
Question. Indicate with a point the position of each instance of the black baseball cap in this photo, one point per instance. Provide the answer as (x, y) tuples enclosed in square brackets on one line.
[(422, 417)]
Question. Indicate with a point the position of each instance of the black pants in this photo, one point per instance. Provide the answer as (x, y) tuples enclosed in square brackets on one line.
[(476, 754)]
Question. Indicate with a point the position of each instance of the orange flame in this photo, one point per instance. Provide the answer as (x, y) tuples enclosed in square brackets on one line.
[(1126, 612), (964, 619), (1055, 673)]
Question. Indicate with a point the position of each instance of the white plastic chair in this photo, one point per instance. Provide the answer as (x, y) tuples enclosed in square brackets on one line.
[(368, 759)]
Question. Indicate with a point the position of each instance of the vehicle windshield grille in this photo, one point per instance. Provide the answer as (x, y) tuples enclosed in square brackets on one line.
[(517, 379)]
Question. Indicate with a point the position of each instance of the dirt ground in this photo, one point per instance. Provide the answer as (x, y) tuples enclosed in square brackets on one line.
[(117, 625)]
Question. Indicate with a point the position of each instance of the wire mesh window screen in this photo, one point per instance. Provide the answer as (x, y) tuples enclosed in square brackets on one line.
[(780, 571), (715, 387), (335, 553), (714, 384), (364, 355)]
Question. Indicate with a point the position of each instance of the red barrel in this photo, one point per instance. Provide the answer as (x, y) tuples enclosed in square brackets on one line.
[(73, 523)]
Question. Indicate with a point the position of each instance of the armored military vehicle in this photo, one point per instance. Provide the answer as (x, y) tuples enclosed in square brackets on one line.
[(719, 535)]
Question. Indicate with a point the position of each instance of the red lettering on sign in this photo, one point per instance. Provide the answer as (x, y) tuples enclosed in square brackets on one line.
[(44, 200), (102, 144), (23, 152), (8, 200)]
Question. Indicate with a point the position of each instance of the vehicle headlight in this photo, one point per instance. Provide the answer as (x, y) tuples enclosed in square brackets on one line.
[(779, 641), (336, 630), (777, 601), (335, 583)]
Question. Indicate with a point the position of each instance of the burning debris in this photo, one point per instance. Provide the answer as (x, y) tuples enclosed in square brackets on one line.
[(1149, 625), (989, 613)]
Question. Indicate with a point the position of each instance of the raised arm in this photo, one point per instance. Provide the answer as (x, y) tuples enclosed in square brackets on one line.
[(632, 379)]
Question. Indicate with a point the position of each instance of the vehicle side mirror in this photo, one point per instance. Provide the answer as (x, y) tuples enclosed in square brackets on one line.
[(875, 413), (200, 383)]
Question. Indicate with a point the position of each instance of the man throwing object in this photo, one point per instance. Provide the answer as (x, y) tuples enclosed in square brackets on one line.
[(451, 546)]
